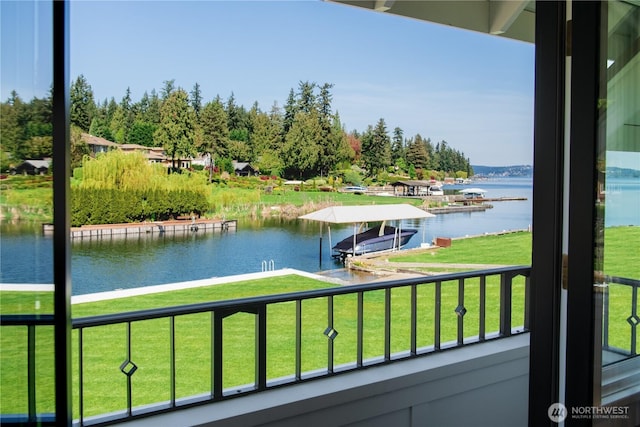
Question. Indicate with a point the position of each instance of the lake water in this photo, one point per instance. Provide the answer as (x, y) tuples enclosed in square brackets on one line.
[(105, 264)]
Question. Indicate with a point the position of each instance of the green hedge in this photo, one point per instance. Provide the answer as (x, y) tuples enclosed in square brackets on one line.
[(108, 206)]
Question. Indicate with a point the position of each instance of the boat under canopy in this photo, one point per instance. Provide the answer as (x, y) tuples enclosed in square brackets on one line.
[(376, 239), (473, 193)]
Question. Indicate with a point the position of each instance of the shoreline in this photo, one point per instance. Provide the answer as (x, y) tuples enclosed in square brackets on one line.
[(154, 289)]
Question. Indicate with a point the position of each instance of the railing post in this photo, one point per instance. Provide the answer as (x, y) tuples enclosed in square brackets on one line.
[(216, 354), (460, 311), (527, 302), (80, 376), (483, 308), (172, 350), (330, 340), (605, 319), (387, 324), (31, 372), (598, 293), (414, 319), (360, 329), (438, 316), (129, 397), (634, 324), (298, 339), (505, 304), (261, 347)]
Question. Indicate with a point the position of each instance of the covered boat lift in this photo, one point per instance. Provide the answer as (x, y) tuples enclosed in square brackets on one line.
[(359, 214)]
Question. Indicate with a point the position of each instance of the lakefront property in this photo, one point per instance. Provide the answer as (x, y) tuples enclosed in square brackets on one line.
[(522, 313)]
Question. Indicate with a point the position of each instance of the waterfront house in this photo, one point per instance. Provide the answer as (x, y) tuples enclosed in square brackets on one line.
[(152, 154), (97, 144), (558, 369), (32, 167), (243, 169)]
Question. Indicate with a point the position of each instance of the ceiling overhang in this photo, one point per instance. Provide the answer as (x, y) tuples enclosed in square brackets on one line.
[(513, 19)]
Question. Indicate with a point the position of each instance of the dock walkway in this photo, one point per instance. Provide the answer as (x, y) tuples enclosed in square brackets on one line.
[(175, 226)]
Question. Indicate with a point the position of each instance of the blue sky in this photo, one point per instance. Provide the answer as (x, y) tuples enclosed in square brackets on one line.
[(475, 91)]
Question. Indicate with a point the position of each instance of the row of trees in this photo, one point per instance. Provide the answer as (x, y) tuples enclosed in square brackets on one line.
[(304, 138)]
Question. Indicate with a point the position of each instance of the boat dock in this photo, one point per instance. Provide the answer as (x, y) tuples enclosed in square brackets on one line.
[(459, 208), (176, 226)]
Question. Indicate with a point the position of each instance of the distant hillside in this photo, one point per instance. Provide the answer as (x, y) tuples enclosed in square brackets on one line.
[(502, 171)]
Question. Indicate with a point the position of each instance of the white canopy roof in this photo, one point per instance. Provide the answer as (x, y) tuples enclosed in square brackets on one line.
[(365, 213), (472, 190)]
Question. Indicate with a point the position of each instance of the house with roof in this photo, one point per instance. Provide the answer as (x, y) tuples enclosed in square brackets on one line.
[(153, 154), (97, 144), (32, 167), (243, 169)]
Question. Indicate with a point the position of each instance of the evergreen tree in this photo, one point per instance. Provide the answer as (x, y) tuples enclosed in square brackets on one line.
[(416, 153), (300, 151), (141, 107), (265, 135), (290, 110), (376, 148), (277, 123), (82, 106), (11, 132), (306, 97), (177, 131), (112, 107), (215, 134), (233, 119), (78, 147), (343, 151), (268, 142), (329, 141), (430, 154), (152, 114), (100, 125), (169, 86), (196, 99), (397, 145), (122, 119), (142, 133)]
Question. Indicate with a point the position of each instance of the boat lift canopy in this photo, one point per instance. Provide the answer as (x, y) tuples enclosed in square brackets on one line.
[(366, 213), (363, 213)]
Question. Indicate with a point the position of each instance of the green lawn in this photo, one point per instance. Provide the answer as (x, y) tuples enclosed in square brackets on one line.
[(506, 249), (104, 348)]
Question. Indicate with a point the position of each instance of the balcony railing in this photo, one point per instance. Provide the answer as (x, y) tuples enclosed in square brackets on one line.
[(285, 339), (620, 317)]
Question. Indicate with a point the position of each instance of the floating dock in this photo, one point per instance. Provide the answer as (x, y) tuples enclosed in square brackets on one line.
[(459, 208), (157, 227)]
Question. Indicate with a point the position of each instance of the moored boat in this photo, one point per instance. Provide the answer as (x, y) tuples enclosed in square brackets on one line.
[(376, 239)]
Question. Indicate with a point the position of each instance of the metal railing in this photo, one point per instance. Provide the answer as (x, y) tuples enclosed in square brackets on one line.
[(626, 291), (435, 311)]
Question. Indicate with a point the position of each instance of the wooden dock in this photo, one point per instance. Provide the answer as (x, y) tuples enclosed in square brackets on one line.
[(157, 227), (459, 208)]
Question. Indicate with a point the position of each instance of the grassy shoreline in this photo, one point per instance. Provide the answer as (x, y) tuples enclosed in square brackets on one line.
[(34, 203)]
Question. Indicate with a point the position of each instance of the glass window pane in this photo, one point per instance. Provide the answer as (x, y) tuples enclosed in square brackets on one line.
[(618, 204), (26, 204)]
